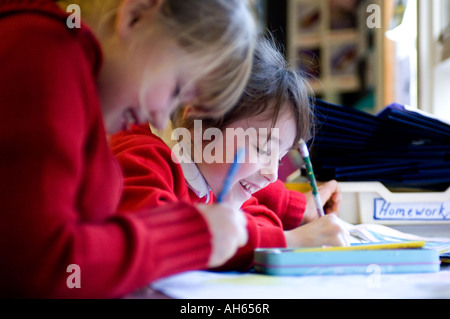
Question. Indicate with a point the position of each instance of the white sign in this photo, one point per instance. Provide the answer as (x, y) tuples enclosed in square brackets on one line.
[(411, 211)]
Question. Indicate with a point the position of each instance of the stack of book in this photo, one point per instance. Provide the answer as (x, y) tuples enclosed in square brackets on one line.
[(399, 147)]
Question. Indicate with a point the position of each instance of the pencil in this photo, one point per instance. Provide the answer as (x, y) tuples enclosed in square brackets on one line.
[(238, 159), (312, 179)]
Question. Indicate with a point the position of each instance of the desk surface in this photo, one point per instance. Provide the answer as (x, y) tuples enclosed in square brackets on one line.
[(442, 230), (210, 285)]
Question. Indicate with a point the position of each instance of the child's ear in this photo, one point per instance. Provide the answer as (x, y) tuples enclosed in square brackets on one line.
[(132, 11)]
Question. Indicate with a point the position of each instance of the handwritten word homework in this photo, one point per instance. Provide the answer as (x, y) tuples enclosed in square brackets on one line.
[(411, 211)]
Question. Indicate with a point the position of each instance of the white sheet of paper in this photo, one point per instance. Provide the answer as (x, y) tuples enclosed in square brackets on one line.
[(211, 285)]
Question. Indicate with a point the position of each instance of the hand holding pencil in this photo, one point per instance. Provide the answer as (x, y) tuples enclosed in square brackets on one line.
[(317, 231), (228, 230)]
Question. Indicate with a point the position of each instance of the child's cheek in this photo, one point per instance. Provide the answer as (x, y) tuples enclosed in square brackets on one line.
[(252, 157), (247, 169)]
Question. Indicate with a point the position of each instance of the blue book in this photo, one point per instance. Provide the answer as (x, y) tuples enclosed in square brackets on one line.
[(358, 259)]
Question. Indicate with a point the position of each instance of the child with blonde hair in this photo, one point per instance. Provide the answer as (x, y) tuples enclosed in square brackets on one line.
[(63, 89), (271, 117)]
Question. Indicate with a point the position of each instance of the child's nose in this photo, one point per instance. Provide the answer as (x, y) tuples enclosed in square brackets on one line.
[(270, 172)]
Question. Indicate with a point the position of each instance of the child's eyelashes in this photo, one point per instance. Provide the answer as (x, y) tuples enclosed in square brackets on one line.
[(266, 150), (262, 151)]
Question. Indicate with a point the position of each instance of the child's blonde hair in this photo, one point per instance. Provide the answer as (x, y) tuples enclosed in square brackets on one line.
[(273, 84), (217, 35)]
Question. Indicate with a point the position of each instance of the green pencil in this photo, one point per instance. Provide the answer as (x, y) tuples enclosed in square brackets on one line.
[(312, 179)]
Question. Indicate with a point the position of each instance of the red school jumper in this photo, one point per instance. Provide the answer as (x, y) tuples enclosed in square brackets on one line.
[(59, 183), (152, 178)]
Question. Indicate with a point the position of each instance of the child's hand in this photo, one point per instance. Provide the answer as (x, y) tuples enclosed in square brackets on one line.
[(228, 228), (328, 230), (330, 194)]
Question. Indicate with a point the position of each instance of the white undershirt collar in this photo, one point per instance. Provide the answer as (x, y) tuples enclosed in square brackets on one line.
[(194, 178)]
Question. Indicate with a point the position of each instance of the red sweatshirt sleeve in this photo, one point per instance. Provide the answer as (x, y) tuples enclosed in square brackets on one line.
[(289, 205), (52, 213)]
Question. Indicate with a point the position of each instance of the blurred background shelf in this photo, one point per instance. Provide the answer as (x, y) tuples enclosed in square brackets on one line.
[(330, 42)]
